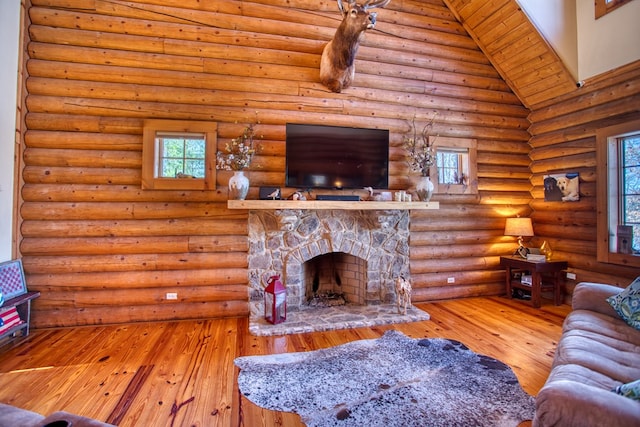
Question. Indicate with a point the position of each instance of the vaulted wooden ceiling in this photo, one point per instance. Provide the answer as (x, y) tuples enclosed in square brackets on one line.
[(515, 47)]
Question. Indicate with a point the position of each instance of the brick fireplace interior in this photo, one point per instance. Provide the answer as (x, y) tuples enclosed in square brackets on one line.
[(333, 279)]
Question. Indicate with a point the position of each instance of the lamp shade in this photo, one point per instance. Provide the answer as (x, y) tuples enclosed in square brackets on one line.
[(519, 227)]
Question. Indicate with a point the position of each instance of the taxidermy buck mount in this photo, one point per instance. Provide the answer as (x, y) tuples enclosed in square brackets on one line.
[(336, 66)]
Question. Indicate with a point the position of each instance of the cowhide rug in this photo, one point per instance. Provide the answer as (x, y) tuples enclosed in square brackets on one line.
[(390, 381)]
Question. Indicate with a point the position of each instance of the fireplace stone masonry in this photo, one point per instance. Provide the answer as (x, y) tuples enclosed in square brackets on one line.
[(281, 241)]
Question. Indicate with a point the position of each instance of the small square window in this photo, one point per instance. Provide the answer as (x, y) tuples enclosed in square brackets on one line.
[(179, 155)]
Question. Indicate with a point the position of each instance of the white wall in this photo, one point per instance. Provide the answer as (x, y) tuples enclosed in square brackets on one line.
[(587, 46), (556, 20), (9, 34), (608, 42)]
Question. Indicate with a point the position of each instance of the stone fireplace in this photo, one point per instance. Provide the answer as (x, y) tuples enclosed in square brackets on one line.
[(358, 253)]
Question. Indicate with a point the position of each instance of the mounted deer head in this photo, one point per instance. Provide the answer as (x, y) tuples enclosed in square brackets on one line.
[(336, 66)]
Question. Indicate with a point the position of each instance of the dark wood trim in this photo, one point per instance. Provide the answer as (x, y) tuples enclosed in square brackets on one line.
[(602, 7)]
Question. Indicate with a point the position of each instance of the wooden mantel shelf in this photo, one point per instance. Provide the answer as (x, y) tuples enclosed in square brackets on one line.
[(328, 204)]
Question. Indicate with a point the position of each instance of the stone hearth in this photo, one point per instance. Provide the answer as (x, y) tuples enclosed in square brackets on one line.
[(332, 318), (282, 241)]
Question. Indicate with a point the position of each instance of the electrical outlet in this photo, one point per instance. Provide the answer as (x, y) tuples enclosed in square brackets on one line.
[(172, 295), (451, 280), (571, 276)]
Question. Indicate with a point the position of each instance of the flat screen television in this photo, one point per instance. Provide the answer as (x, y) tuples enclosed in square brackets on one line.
[(319, 156)]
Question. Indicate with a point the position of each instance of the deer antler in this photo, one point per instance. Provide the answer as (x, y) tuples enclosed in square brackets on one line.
[(352, 3), (371, 4)]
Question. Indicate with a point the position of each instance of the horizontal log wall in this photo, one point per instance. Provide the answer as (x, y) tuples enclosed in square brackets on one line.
[(102, 250), (564, 140)]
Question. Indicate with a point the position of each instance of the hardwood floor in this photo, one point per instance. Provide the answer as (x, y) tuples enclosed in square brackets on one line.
[(182, 373)]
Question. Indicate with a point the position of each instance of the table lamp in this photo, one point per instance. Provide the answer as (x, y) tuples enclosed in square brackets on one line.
[(519, 227)]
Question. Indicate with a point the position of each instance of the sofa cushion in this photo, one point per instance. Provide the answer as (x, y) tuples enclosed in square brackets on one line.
[(597, 353), (574, 404), (593, 297), (627, 304), (602, 345), (72, 420), (11, 416)]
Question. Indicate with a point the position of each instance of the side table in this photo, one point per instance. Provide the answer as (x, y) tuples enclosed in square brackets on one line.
[(551, 269)]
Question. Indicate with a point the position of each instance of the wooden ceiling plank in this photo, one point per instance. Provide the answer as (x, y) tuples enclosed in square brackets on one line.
[(541, 73), (486, 10), (528, 54), (523, 48), (551, 93), (529, 67), (484, 29), (541, 85), (502, 39), (515, 47), (464, 9)]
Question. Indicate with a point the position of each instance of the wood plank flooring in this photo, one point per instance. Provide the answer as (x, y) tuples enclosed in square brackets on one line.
[(182, 373)]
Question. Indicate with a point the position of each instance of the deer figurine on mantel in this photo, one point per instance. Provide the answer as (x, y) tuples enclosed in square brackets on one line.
[(337, 64)]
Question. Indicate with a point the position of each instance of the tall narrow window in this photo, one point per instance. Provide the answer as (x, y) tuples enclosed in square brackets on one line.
[(629, 149), (179, 155), (618, 167)]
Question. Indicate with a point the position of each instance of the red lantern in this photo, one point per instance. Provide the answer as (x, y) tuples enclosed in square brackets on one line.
[(275, 300)]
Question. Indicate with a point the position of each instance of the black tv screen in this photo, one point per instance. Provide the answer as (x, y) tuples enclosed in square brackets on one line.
[(319, 156)]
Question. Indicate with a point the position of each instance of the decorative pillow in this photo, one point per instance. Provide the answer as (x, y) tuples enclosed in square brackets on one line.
[(627, 303), (8, 319), (630, 390)]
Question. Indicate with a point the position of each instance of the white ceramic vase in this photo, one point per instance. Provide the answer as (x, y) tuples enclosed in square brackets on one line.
[(424, 188), (238, 186)]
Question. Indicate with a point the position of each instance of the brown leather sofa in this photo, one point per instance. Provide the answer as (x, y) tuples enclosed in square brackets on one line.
[(597, 352)]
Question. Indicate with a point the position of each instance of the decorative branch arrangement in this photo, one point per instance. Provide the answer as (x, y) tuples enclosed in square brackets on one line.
[(239, 152), (420, 151)]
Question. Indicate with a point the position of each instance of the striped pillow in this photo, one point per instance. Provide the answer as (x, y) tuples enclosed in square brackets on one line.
[(8, 319)]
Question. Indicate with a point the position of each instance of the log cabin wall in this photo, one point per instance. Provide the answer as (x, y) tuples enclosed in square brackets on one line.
[(102, 250), (564, 140)]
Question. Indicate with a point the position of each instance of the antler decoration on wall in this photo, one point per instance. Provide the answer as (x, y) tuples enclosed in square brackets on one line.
[(337, 64)]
